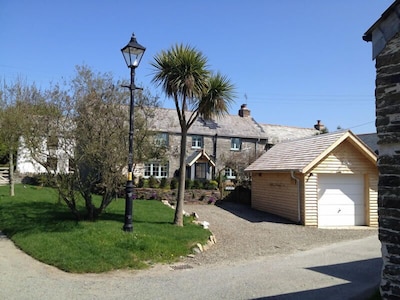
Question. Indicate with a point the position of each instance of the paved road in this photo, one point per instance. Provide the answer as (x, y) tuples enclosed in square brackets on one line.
[(340, 271)]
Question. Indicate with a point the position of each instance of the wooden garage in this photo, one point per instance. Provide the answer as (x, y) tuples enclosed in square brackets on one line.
[(328, 180)]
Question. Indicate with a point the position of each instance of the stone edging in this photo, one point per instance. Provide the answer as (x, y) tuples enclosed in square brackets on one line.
[(199, 247)]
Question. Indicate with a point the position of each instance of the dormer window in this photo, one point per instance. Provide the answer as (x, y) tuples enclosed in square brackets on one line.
[(197, 142)]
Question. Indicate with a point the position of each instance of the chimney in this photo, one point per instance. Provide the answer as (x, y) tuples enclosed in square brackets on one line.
[(244, 111), (319, 126)]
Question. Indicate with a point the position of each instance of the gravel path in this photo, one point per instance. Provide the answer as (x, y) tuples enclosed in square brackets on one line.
[(243, 233)]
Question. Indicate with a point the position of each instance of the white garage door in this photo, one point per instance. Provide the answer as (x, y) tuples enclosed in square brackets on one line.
[(341, 200)]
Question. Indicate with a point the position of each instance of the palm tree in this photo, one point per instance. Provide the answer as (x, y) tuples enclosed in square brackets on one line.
[(182, 72)]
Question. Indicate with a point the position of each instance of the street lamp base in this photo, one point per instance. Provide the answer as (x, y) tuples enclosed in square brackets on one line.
[(128, 228)]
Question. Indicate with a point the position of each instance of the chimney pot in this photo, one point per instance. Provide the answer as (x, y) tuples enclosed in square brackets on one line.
[(244, 111)]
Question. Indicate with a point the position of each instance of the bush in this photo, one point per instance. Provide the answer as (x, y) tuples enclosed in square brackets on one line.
[(42, 179), (141, 182), (152, 182), (197, 184), (188, 184), (173, 184), (211, 185), (163, 182)]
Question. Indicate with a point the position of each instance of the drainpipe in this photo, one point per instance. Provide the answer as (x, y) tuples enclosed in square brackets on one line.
[(298, 196), (215, 138)]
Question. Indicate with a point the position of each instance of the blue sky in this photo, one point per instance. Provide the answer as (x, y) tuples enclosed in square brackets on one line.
[(293, 62)]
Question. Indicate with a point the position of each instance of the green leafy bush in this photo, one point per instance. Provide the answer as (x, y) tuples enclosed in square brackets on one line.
[(197, 184), (211, 185), (188, 184), (152, 182), (173, 184), (141, 182), (163, 182)]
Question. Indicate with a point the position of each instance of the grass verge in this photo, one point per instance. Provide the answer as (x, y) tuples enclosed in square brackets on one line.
[(46, 230)]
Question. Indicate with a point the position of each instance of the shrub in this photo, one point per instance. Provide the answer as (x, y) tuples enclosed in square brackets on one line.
[(163, 182), (141, 182), (197, 184), (173, 184), (152, 182), (211, 185), (42, 179), (188, 184)]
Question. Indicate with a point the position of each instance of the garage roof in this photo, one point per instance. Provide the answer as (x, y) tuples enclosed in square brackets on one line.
[(301, 155)]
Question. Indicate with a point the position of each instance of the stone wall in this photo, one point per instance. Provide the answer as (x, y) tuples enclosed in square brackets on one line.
[(388, 128), (191, 195)]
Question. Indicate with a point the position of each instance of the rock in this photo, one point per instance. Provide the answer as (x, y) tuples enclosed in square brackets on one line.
[(196, 250), (212, 239), (195, 215), (205, 224), (200, 246)]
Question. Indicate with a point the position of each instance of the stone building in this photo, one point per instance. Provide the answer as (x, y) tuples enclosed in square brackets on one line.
[(385, 37), (226, 144)]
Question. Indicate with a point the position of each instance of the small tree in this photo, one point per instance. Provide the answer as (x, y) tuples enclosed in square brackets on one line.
[(91, 133), (18, 102)]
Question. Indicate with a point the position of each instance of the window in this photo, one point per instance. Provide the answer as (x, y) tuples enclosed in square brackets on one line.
[(236, 144), (52, 142), (197, 141), (230, 174), (200, 171), (156, 170), (161, 139), (52, 162)]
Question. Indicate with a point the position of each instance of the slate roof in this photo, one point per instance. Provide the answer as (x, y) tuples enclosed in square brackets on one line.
[(166, 120), (371, 139), (278, 133), (196, 155), (299, 155)]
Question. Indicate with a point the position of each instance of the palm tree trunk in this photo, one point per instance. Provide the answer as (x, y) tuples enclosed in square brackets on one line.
[(182, 176), (11, 173)]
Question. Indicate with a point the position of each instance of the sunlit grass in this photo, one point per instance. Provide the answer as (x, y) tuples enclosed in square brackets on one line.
[(46, 230)]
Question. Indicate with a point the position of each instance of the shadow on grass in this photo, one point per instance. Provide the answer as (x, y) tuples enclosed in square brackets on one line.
[(118, 217), (17, 217), (244, 211)]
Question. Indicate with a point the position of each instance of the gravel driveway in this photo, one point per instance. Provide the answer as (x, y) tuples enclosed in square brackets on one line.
[(243, 233)]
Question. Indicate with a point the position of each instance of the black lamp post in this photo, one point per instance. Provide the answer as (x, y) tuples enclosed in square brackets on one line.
[(132, 53)]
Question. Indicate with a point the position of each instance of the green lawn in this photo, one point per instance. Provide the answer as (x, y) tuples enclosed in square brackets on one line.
[(47, 231)]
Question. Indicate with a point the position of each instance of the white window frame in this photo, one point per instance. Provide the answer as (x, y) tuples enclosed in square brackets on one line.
[(155, 169), (236, 144), (230, 173), (197, 142), (161, 139)]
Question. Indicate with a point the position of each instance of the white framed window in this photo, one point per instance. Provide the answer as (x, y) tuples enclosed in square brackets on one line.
[(197, 141), (236, 144), (157, 170), (161, 139), (230, 173)]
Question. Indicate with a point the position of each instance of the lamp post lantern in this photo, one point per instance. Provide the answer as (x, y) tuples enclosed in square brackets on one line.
[(132, 53)]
